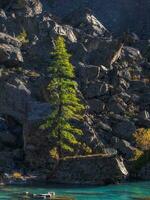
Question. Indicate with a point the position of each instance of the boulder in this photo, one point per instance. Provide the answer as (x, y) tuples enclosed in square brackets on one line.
[(84, 19), (65, 31), (139, 86), (123, 147), (106, 52), (96, 105), (3, 20), (10, 53), (91, 170), (14, 100), (124, 130), (48, 25), (9, 40), (116, 108), (90, 73), (26, 7), (144, 115), (103, 126), (96, 89), (131, 55)]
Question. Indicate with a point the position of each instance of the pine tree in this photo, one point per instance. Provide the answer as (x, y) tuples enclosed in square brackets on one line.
[(66, 105)]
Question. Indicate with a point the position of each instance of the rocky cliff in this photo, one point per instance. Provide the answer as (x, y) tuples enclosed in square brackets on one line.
[(113, 74)]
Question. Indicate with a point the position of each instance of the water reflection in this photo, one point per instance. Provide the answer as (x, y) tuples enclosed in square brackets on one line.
[(130, 191)]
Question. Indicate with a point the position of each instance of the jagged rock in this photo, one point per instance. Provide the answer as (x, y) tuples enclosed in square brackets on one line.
[(131, 55), (126, 97), (26, 7), (96, 105), (88, 72), (9, 40), (125, 130), (119, 18), (144, 115), (130, 39), (96, 89), (65, 31), (139, 86), (19, 96), (49, 26), (107, 52), (123, 147), (103, 126), (135, 98), (90, 170), (10, 53), (87, 22), (3, 19), (115, 107)]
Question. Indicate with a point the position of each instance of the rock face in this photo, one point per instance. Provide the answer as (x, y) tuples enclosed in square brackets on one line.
[(118, 16), (10, 53), (90, 170), (144, 173), (112, 74)]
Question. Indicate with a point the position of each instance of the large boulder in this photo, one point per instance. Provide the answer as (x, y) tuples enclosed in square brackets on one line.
[(123, 147), (131, 55), (96, 89), (25, 7), (104, 52), (118, 16), (10, 53), (93, 170), (125, 130), (87, 22)]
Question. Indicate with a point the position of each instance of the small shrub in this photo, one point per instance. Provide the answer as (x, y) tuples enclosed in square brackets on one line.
[(54, 153), (17, 175), (23, 37), (142, 160), (137, 154), (142, 138)]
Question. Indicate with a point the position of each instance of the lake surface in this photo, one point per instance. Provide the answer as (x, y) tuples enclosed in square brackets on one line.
[(113, 192)]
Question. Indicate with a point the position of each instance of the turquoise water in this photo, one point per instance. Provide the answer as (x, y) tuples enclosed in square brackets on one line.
[(113, 192)]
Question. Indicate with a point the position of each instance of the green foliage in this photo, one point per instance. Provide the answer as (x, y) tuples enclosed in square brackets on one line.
[(23, 37), (66, 105)]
